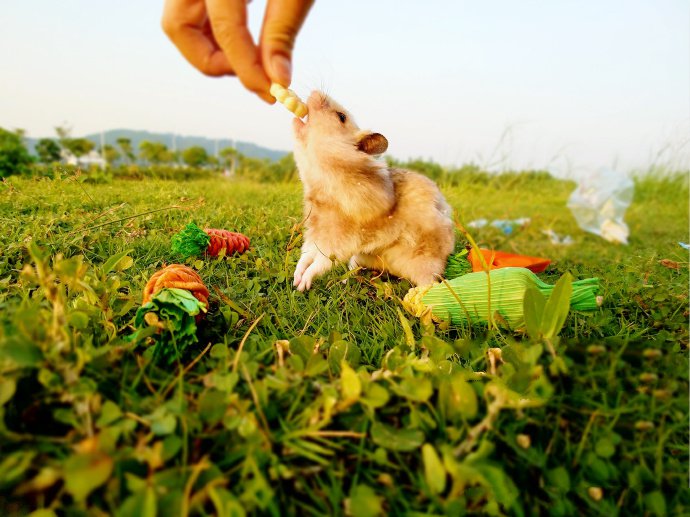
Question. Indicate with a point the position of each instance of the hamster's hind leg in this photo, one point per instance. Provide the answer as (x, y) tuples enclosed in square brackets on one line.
[(424, 270), (366, 262), (418, 269)]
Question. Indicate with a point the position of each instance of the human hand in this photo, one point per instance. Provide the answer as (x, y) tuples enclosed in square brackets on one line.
[(213, 36)]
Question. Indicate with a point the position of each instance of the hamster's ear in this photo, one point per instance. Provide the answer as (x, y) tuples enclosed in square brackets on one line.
[(372, 143)]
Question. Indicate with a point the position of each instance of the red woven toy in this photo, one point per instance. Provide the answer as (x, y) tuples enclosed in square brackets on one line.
[(231, 242), (192, 241)]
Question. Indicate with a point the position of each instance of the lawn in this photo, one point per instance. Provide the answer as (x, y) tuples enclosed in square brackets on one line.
[(335, 401)]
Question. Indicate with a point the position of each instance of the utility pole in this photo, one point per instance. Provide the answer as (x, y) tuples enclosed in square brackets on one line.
[(174, 149), (230, 172), (105, 160), (234, 158)]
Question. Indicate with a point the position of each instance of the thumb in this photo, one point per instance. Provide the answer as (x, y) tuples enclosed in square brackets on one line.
[(282, 22)]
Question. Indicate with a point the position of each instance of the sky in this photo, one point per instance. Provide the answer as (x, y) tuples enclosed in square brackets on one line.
[(567, 86)]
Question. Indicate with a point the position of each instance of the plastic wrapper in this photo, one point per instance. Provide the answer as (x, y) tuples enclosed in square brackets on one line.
[(599, 203)]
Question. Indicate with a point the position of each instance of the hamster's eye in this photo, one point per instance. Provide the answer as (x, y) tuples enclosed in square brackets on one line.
[(341, 116)]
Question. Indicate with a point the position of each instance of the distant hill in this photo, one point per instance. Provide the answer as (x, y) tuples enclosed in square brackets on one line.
[(181, 142)]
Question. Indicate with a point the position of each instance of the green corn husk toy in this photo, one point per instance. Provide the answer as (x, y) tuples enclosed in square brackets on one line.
[(457, 265), (465, 299)]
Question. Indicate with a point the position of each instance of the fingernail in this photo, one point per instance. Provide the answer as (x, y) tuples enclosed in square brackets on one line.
[(282, 69)]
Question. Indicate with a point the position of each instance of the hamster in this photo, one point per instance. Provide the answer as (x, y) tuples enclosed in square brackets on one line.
[(358, 210)]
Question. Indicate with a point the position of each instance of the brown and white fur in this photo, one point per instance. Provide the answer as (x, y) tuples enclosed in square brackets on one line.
[(359, 210)]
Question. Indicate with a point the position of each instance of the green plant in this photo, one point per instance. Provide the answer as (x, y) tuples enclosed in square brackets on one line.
[(155, 153), (14, 157), (78, 146), (195, 156), (48, 150), (125, 145)]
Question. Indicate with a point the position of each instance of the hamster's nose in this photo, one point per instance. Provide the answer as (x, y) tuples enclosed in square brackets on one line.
[(317, 100)]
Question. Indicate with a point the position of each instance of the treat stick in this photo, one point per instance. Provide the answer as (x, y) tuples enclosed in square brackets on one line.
[(289, 99)]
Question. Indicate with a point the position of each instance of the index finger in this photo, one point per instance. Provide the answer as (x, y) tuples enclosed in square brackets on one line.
[(229, 23), (184, 21)]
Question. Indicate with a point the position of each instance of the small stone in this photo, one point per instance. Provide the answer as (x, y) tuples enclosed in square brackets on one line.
[(386, 480), (652, 353), (644, 425), (595, 493), (648, 378), (596, 349), (661, 394), (523, 440)]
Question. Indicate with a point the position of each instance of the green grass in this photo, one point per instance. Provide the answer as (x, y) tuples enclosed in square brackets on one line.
[(90, 423)]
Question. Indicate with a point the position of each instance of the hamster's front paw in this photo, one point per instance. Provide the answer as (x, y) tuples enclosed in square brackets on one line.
[(305, 261), (318, 267)]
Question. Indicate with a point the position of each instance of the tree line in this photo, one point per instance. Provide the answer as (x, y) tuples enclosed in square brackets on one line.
[(152, 158), (52, 150)]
